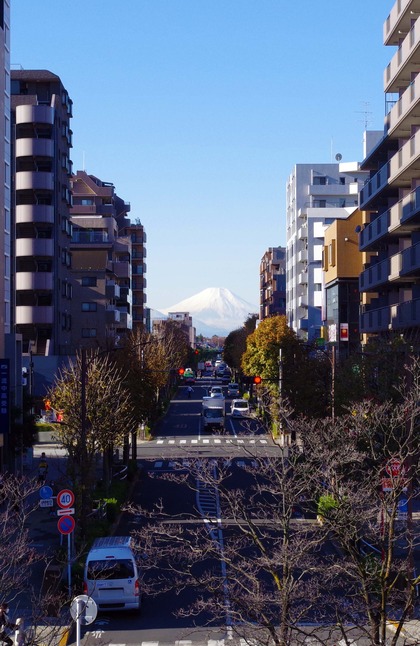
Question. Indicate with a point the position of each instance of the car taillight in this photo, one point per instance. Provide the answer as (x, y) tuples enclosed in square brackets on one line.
[(136, 588), (85, 588)]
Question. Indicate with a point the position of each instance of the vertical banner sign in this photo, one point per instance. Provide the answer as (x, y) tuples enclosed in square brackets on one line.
[(4, 394), (344, 331)]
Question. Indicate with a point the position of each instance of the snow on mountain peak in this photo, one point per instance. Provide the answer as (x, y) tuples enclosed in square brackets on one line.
[(217, 308)]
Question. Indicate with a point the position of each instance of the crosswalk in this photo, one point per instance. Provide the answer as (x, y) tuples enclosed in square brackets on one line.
[(303, 641), (213, 441)]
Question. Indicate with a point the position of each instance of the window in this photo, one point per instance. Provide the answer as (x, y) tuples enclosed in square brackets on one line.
[(89, 307), (319, 181), (89, 281), (87, 201), (88, 332), (342, 180)]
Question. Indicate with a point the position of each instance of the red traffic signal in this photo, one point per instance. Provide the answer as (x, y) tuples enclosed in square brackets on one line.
[(196, 351), (257, 380), (181, 371)]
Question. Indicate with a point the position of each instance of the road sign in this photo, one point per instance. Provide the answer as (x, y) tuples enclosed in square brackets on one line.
[(65, 498), (393, 468), (83, 609), (66, 524), (46, 502), (65, 512), (45, 492)]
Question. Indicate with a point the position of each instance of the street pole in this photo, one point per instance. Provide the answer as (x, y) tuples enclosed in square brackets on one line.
[(281, 428), (333, 383), (83, 377)]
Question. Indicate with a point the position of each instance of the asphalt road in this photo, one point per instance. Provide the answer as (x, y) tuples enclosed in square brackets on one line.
[(179, 438)]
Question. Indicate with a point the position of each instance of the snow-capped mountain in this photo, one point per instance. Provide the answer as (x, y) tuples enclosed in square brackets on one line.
[(215, 310)]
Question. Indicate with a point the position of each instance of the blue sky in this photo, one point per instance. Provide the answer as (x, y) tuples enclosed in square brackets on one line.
[(197, 111)]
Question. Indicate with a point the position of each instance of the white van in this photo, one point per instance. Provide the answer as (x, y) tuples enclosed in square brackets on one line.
[(111, 576)]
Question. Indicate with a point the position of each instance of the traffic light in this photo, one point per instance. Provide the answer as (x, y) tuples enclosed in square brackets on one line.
[(181, 371), (196, 351), (257, 380)]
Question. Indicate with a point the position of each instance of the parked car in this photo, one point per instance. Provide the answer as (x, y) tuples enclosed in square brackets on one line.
[(233, 390), (239, 408), (111, 574)]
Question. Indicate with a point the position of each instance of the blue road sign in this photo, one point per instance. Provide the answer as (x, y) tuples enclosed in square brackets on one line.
[(45, 492)]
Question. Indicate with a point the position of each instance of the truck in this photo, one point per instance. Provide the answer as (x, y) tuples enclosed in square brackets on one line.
[(213, 413)]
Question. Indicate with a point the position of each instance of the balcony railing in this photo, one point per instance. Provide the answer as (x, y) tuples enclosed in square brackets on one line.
[(374, 185), (373, 276)]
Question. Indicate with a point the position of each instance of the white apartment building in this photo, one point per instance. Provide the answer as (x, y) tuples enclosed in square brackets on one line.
[(317, 194)]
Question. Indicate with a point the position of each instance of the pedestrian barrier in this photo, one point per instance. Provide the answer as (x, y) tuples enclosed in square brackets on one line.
[(119, 471), (99, 511)]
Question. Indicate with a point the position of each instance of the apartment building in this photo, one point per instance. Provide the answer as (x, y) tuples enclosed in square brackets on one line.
[(273, 282), (10, 349), (136, 233), (107, 261), (342, 264), (316, 195), (391, 196), (5, 176), (41, 111), (183, 320)]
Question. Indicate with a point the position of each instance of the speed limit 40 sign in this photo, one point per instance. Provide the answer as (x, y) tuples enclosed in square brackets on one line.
[(65, 498)]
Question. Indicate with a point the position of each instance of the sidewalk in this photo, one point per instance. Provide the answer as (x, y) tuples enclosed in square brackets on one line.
[(45, 539)]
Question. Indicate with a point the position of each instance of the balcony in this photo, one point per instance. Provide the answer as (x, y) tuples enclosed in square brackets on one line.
[(405, 112), (373, 186), (34, 114), (34, 148), (405, 61), (34, 247), (406, 314), (410, 261), (303, 278), (375, 320), (34, 281), (34, 180), (112, 289), (302, 255), (303, 233), (34, 213), (373, 276), (374, 232), (405, 164), (399, 20), (121, 269), (112, 315), (126, 320), (34, 315)]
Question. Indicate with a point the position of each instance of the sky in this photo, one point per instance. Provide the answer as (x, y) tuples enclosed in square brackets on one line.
[(197, 111)]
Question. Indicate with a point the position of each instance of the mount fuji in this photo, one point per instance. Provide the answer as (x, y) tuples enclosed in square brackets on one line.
[(215, 310)]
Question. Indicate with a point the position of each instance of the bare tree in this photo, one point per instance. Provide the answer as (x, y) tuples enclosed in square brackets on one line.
[(24, 581), (92, 426), (363, 472), (269, 576), (253, 563)]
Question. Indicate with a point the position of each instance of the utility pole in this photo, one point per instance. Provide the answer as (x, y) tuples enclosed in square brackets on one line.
[(283, 432), (333, 383)]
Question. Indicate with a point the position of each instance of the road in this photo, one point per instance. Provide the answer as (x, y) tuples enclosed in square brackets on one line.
[(179, 438), (178, 441)]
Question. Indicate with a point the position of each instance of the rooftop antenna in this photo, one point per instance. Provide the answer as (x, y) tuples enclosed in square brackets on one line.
[(366, 114)]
